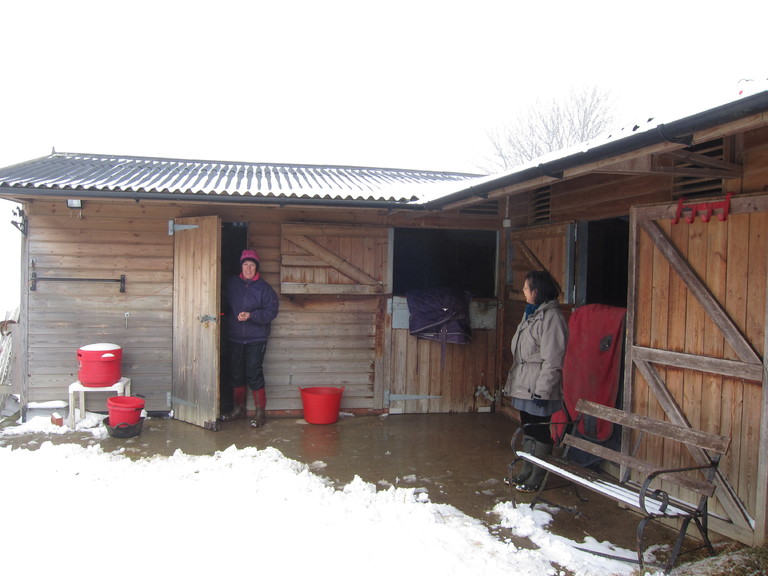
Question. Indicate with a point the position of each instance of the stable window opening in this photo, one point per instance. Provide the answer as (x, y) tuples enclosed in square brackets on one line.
[(436, 258)]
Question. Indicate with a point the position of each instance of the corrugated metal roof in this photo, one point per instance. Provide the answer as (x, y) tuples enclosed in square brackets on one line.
[(107, 175)]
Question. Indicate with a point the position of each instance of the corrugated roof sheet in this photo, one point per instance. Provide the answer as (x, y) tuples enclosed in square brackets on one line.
[(106, 175)]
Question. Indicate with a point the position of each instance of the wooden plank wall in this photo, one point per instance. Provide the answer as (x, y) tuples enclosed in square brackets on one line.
[(102, 241), (328, 340), (453, 374), (317, 339), (601, 196), (322, 341)]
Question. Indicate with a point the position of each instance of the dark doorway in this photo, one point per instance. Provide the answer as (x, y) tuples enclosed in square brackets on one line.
[(234, 239), (603, 256), (438, 258)]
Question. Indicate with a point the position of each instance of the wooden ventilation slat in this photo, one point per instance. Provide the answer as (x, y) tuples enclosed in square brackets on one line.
[(540, 206), (688, 186), (489, 208)]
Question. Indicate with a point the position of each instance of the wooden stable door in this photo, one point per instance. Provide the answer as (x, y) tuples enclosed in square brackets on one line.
[(196, 298), (695, 351), (549, 248)]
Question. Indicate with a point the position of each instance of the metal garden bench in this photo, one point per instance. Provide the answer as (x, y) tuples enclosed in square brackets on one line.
[(644, 496)]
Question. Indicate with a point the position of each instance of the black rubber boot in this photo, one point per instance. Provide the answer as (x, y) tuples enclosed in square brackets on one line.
[(529, 445), (236, 413), (533, 483), (238, 405), (259, 418)]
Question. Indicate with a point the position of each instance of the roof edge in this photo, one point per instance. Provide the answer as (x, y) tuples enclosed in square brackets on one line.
[(673, 131), (14, 194)]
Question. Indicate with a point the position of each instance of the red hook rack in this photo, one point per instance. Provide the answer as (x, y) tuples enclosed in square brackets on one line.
[(706, 209)]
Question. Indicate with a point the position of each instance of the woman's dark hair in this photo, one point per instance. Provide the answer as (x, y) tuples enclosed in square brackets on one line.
[(545, 286)]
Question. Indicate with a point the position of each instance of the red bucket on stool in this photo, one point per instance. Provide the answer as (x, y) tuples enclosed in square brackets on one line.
[(124, 410), (321, 404), (99, 364)]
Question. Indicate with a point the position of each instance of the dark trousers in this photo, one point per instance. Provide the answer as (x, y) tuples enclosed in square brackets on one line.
[(539, 432), (246, 364)]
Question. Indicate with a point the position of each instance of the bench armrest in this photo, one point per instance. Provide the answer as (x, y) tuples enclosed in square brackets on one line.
[(705, 488)]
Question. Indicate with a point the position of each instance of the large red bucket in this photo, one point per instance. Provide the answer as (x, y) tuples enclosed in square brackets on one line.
[(99, 364), (321, 404), (124, 410)]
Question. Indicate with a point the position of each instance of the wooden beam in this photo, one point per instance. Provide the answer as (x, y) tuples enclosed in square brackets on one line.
[(642, 165), (739, 204), (706, 161), (713, 308), (699, 166), (732, 368), (348, 231), (761, 505), (629, 326), (693, 172), (310, 288)]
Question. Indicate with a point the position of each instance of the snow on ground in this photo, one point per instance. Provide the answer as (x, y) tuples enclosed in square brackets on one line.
[(78, 510)]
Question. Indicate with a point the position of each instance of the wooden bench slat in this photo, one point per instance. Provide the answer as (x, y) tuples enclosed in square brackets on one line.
[(699, 438), (698, 485)]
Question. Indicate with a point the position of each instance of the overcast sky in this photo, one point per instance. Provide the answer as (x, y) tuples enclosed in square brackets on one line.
[(399, 84)]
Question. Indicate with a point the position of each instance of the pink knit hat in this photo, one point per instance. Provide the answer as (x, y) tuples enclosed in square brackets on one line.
[(249, 255)]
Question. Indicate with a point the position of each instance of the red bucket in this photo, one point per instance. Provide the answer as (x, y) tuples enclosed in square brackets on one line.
[(124, 410), (99, 364), (321, 404)]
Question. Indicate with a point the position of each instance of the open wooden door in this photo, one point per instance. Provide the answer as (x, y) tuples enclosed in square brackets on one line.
[(196, 297)]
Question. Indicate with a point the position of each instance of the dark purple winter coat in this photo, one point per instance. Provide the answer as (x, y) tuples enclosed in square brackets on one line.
[(256, 297)]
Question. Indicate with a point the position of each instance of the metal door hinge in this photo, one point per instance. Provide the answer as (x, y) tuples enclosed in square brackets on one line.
[(173, 227)]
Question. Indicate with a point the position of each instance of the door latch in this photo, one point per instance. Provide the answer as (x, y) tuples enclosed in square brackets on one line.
[(205, 319)]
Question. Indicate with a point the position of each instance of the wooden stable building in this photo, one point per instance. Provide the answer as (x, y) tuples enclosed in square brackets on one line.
[(668, 220)]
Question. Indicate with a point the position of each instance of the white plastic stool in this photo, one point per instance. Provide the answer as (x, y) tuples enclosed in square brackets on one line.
[(123, 388)]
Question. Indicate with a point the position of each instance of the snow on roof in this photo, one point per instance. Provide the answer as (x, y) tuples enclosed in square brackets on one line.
[(616, 135)]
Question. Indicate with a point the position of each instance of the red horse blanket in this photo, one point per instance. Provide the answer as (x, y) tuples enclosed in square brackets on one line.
[(592, 367)]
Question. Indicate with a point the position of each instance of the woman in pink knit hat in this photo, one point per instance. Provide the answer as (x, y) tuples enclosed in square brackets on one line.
[(253, 304)]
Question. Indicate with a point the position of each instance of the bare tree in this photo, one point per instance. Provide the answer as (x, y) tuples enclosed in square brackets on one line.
[(548, 126)]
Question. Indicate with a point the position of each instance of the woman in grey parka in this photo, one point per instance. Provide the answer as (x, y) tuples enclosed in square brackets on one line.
[(535, 381)]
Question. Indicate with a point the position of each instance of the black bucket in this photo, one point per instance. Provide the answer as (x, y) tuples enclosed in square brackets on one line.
[(124, 430)]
